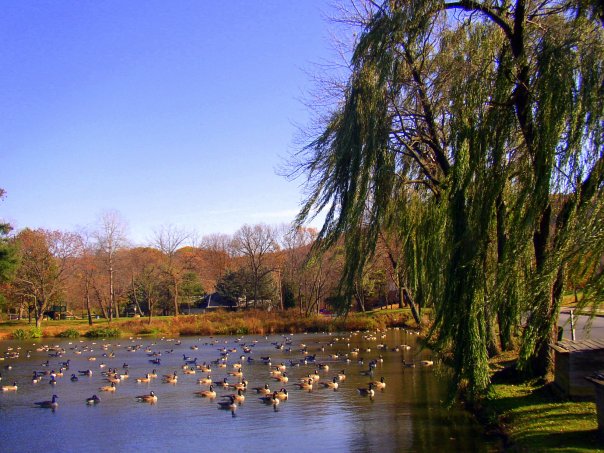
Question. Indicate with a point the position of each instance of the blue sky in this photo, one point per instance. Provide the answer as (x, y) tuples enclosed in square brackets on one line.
[(168, 112)]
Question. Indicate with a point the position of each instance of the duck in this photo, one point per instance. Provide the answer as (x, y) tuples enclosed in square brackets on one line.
[(52, 404), (150, 398), (367, 391), (10, 388), (207, 393), (93, 400), (271, 399), (333, 384), (228, 405), (381, 384), (108, 388), (145, 379)]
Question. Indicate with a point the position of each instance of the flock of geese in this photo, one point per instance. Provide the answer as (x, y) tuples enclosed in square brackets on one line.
[(318, 362)]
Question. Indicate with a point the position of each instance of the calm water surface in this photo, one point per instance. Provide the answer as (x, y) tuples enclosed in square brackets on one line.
[(408, 415)]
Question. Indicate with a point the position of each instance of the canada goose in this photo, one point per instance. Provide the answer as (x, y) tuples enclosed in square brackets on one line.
[(153, 374), (306, 384), (270, 399), (10, 388), (113, 378), (74, 378), (237, 373), (205, 381), (93, 400), (52, 404), (342, 376), (207, 393), (323, 366), (228, 405), (150, 398), (263, 390), (204, 368), (85, 372), (333, 384), (426, 363), (367, 391), (124, 375), (408, 364), (240, 385), (282, 394), (282, 378), (314, 376), (35, 378), (108, 388), (188, 370), (381, 384), (239, 396), (223, 383), (52, 381), (171, 378), (145, 379)]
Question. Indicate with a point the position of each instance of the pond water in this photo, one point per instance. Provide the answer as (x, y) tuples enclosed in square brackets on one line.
[(408, 415)]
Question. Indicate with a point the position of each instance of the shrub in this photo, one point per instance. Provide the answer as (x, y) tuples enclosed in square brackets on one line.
[(102, 332), (35, 332), (20, 334), (69, 333)]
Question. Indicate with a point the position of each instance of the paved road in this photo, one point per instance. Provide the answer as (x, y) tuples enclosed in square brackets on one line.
[(582, 330)]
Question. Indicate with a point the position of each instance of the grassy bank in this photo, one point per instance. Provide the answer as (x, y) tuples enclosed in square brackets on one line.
[(215, 323), (532, 418)]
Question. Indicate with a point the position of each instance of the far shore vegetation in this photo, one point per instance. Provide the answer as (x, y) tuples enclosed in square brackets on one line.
[(221, 322)]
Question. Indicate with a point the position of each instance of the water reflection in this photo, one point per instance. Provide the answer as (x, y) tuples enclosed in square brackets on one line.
[(407, 415)]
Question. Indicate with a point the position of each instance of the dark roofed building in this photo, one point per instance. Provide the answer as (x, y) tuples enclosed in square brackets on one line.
[(217, 300)]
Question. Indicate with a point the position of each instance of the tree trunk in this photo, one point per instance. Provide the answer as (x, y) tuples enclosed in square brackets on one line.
[(176, 311), (409, 301), (88, 304)]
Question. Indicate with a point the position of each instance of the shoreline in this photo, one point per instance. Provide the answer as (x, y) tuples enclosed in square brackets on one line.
[(215, 323)]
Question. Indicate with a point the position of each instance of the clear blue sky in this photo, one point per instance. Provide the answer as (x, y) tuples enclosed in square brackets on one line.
[(168, 112)]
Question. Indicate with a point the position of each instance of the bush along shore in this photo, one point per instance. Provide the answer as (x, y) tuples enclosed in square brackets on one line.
[(248, 322)]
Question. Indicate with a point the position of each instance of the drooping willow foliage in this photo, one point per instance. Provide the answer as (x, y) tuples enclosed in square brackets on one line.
[(473, 132)]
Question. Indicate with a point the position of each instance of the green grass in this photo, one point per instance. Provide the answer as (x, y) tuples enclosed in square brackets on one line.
[(535, 420)]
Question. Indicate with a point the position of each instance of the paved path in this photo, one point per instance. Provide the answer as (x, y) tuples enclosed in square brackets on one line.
[(581, 326)]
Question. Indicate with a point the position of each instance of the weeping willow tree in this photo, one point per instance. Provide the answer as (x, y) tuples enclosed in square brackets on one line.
[(473, 130)]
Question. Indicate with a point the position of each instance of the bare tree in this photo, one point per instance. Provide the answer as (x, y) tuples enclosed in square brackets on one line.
[(168, 239), (110, 238), (217, 248), (255, 243)]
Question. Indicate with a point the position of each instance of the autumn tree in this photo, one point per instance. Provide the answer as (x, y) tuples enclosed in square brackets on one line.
[(47, 258)]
